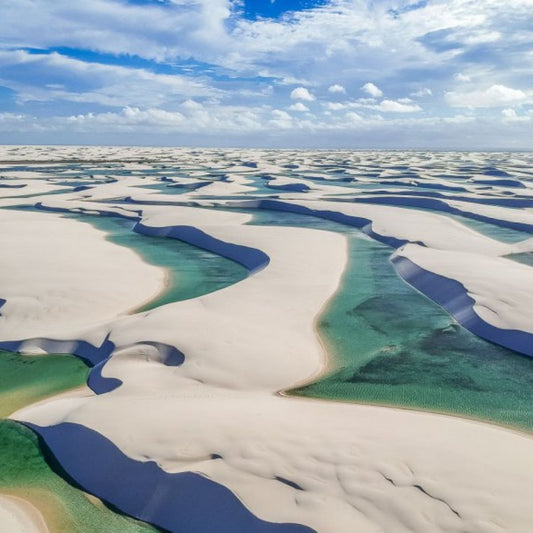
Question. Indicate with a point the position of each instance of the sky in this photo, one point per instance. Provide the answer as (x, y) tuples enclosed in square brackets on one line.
[(400, 74)]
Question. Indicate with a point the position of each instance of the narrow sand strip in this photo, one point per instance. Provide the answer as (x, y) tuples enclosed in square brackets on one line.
[(20, 516)]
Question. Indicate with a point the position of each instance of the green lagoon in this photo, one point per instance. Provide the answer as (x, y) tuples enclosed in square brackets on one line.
[(26, 469), (191, 271), (390, 345)]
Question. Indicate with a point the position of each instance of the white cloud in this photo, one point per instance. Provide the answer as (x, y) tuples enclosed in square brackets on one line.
[(238, 125), (392, 106), (131, 116), (298, 106), (166, 31), (482, 37), (403, 105), (459, 119), (336, 89), (494, 96), (192, 119), (13, 117), (421, 93), (352, 116), (191, 105), (335, 106), (372, 90), (510, 115), (462, 77), (281, 119), (366, 101), (301, 93), (279, 114), (94, 83), (193, 41)]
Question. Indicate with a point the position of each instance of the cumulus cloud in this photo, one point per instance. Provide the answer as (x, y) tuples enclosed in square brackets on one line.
[(298, 106), (273, 127), (301, 93), (93, 83), (281, 119), (459, 119), (403, 105), (372, 90), (191, 104), (461, 77), (13, 117), (352, 116), (222, 72), (335, 106), (131, 116), (336, 89), (192, 118), (366, 101), (510, 115), (421, 93), (392, 106), (494, 96)]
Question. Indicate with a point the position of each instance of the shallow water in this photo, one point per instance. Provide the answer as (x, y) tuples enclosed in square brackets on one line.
[(26, 379), (388, 344), (25, 470), (391, 345), (191, 271)]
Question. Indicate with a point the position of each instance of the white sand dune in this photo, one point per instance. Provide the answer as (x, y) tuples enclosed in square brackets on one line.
[(58, 275), (497, 285), (452, 250), (336, 467)]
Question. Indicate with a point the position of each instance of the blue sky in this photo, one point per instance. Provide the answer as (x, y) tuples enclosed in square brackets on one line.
[(451, 74)]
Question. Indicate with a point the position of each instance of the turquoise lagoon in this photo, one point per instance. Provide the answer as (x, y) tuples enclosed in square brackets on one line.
[(27, 470), (390, 345), (387, 343), (191, 271)]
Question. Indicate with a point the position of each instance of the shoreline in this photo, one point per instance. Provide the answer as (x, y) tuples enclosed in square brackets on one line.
[(325, 364), (217, 413), (166, 283), (29, 514), (511, 429)]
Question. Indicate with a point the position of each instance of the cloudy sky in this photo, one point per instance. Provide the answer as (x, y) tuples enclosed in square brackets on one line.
[(281, 73)]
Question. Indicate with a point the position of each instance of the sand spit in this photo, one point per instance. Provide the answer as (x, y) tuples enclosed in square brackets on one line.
[(20, 516)]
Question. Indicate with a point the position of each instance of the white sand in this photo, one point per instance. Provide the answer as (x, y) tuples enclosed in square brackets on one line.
[(498, 285), (58, 275), (250, 339), (434, 230), (455, 251), (20, 516), (359, 468)]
